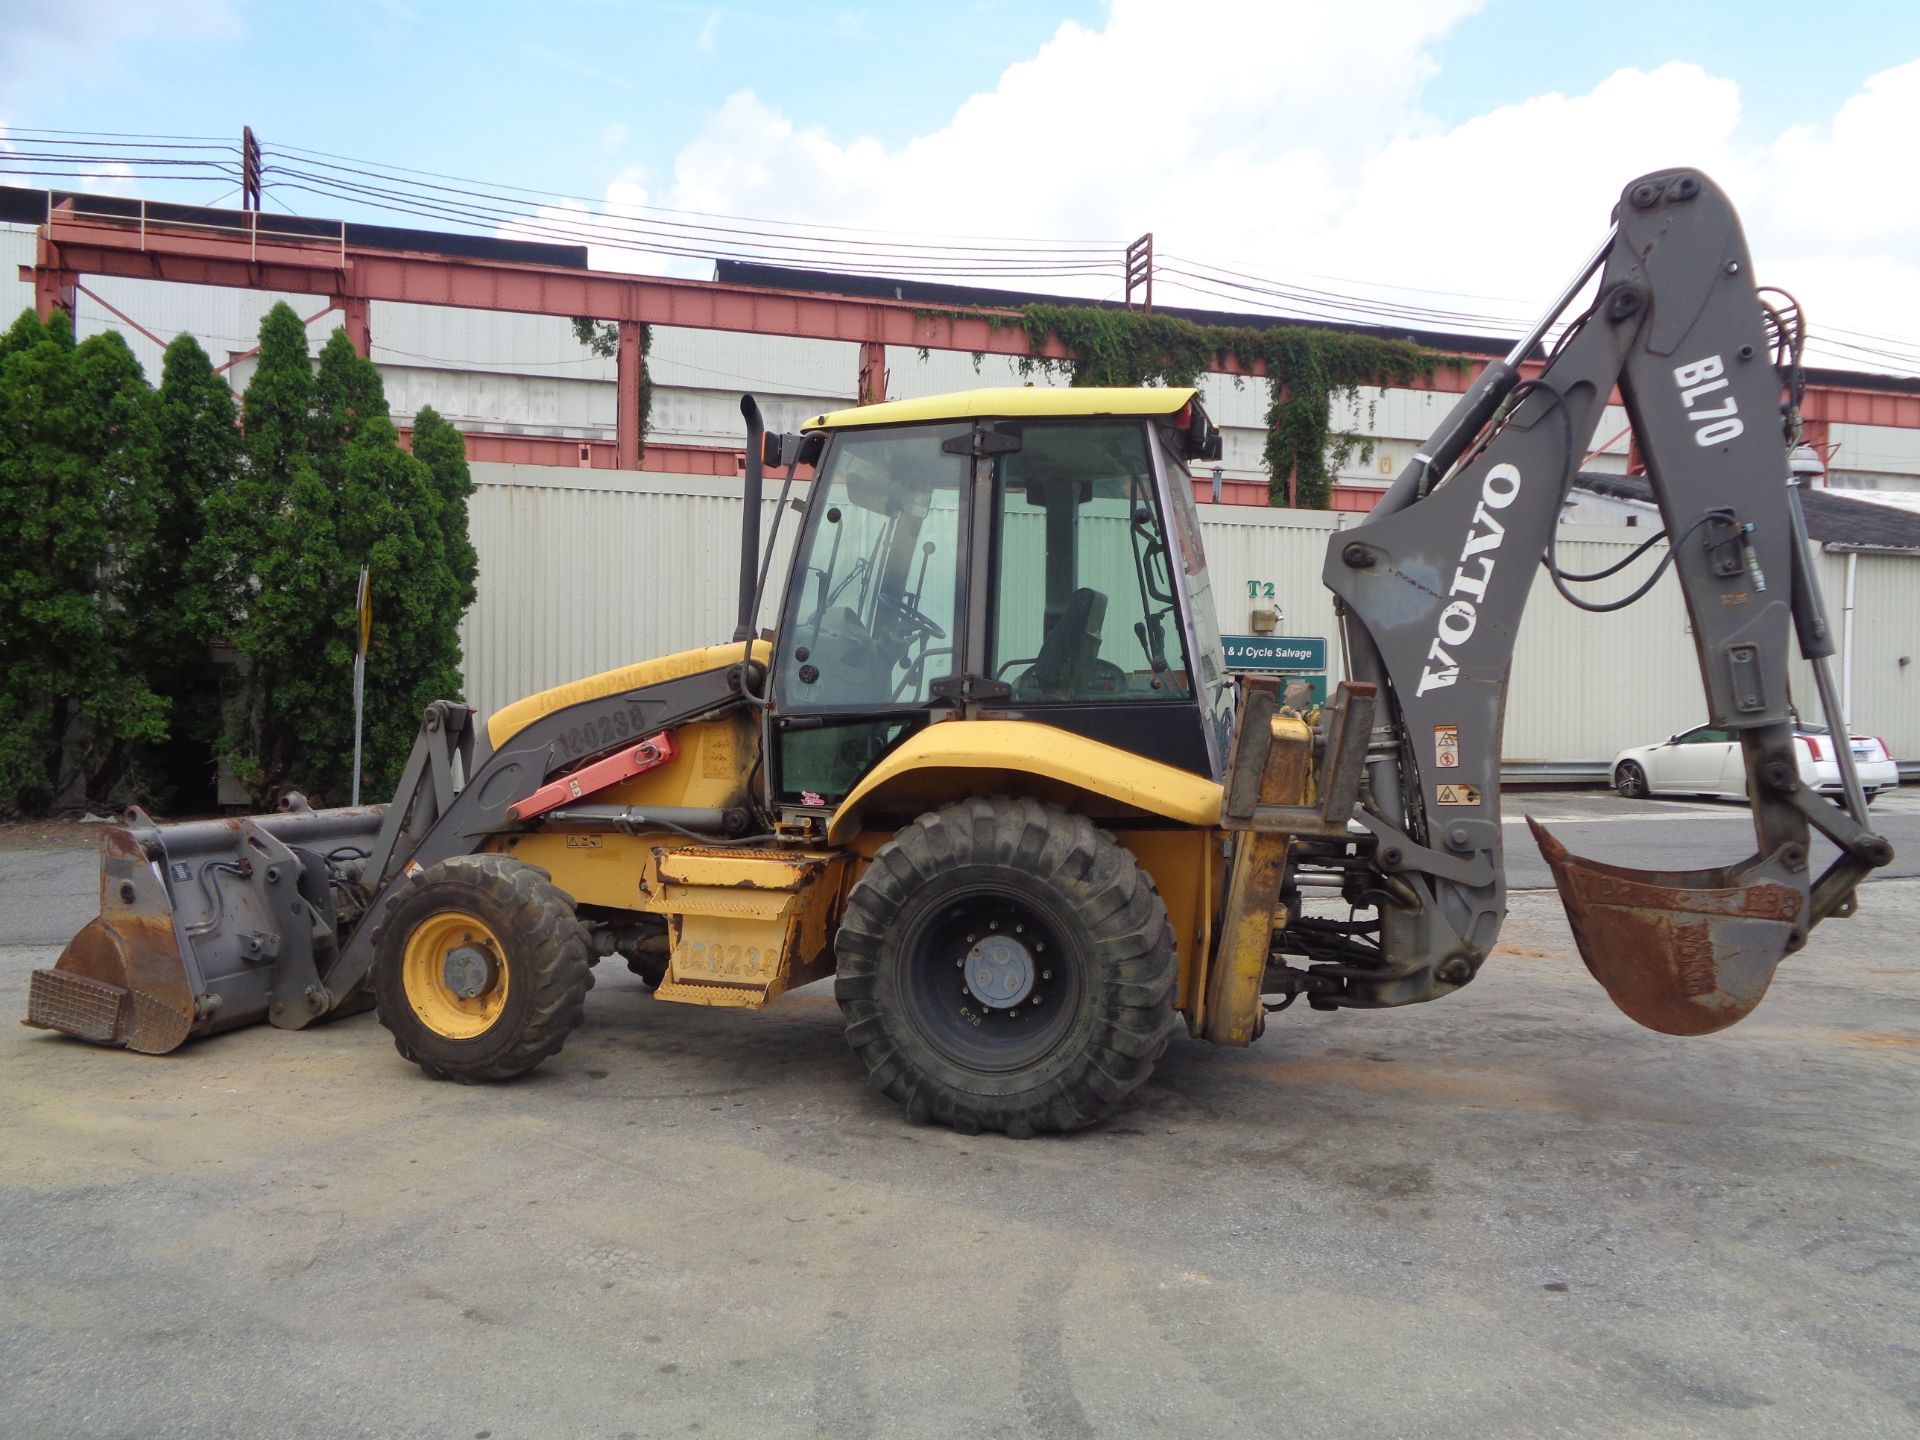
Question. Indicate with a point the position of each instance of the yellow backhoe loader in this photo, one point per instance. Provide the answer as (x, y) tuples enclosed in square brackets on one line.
[(990, 772)]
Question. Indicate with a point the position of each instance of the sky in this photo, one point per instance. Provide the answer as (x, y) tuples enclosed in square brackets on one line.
[(1458, 157)]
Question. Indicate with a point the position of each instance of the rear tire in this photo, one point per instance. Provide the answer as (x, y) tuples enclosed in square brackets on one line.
[(1631, 781), (481, 969), (1004, 965)]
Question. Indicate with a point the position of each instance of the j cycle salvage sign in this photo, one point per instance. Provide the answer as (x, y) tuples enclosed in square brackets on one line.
[(1275, 652)]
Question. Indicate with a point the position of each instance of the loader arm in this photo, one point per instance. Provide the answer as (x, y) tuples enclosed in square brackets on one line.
[(1431, 588)]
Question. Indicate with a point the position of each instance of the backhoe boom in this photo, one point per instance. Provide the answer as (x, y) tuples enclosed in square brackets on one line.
[(1432, 586)]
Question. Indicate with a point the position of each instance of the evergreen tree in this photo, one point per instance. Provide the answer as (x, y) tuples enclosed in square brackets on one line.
[(182, 593), (440, 447), (77, 519), (325, 489), (273, 560), (393, 521)]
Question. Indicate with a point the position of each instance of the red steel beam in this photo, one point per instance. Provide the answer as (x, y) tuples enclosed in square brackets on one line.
[(873, 372), (570, 452), (239, 260), (354, 318), (629, 374), (71, 245)]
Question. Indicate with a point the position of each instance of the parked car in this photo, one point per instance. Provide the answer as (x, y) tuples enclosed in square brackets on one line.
[(1706, 761)]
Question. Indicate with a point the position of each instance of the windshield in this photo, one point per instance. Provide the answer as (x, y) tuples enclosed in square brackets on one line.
[(874, 591)]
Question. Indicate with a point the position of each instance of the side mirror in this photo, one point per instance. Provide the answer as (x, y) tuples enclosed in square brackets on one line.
[(781, 451)]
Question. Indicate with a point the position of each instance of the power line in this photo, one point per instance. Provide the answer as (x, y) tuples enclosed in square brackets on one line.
[(663, 209), (669, 233)]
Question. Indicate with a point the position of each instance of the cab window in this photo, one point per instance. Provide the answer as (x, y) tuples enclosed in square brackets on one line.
[(1082, 588)]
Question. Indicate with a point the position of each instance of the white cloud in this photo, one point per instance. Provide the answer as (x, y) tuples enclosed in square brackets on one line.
[(1306, 153), (608, 230)]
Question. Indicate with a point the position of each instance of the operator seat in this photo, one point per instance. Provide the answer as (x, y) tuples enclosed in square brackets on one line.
[(1067, 654)]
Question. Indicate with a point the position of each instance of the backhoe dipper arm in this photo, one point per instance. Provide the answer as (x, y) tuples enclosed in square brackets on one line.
[(1433, 584)]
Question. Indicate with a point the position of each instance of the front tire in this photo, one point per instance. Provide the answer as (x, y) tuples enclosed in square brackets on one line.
[(1004, 965), (1631, 781), (481, 969)]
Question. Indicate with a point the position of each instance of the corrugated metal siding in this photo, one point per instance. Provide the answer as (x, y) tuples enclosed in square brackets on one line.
[(581, 571), (1875, 448), (585, 570), (1886, 623)]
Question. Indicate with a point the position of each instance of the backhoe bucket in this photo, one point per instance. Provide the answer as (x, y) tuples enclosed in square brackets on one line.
[(205, 926), (1684, 952)]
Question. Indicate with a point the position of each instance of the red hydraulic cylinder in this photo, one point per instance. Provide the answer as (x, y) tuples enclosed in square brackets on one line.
[(623, 764)]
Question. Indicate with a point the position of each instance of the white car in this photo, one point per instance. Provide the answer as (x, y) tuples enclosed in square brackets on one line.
[(1706, 761)]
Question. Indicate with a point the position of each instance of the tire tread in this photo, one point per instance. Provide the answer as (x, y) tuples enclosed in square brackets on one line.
[(1133, 968)]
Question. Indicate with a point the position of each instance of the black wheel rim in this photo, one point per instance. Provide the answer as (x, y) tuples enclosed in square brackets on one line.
[(987, 981)]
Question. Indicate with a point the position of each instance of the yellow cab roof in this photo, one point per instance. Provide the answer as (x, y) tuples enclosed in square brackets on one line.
[(1012, 402)]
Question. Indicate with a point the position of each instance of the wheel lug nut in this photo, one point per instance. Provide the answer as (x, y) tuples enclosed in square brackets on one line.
[(1046, 974), (1019, 929), (993, 925)]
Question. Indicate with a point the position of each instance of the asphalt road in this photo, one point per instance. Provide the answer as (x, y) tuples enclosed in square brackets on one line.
[(1673, 834), (1512, 1213)]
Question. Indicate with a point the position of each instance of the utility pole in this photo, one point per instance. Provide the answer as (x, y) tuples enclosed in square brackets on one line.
[(1139, 271), (249, 169)]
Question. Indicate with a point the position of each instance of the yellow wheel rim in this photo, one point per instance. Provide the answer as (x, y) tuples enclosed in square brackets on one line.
[(455, 975)]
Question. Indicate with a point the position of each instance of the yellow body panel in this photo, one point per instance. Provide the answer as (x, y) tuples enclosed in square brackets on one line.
[(511, 719), (1185, 866), (952, 760), (595, 867), (1232, 1006), (1014, 402), (709, 770), (747, 925)]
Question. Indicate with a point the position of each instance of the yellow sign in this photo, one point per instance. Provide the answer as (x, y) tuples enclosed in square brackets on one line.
[(363, 603), (1457, 795)]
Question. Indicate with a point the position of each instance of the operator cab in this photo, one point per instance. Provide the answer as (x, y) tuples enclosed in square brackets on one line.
[(999, 554)]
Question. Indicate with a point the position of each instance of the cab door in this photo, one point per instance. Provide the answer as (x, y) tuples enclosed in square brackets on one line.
[(1079, 599), (873, 614)]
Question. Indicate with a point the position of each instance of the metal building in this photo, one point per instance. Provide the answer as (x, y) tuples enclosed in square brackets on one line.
[(524, 389)]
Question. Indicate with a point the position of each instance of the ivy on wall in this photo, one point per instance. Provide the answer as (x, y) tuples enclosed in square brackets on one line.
[(1306, 369)]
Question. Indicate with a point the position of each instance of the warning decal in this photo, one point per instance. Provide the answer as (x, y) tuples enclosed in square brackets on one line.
[(1456, 795), (1446, 746)]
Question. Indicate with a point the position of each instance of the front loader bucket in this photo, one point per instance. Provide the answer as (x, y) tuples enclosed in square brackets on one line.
[(121, 980), (1684, 952), (205, 926)]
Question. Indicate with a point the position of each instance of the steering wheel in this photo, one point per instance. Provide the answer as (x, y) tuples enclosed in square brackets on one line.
[(908, 623)]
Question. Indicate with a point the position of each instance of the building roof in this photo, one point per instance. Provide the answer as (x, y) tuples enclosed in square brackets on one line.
[(1832, 518), (1009, 401), (23, 206)]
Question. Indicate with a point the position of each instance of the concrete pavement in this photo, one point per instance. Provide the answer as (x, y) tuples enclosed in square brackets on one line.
[(1512, 1213)]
